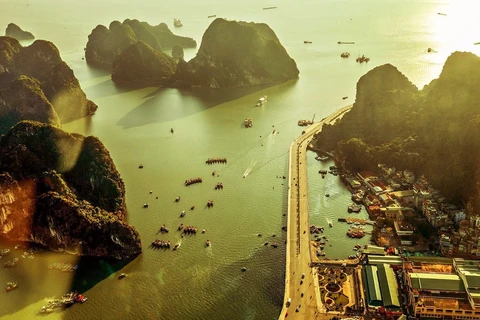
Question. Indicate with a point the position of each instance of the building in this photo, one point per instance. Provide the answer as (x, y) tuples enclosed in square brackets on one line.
[(381, 288), (443, 289), (372, 287)]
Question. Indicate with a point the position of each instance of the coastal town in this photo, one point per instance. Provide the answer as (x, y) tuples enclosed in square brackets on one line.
[(422, 261)]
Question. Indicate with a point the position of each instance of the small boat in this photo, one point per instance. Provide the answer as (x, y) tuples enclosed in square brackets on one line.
[(11, 285), (441, 14), (330, 224), (346, 42), (476, 43), (248, 122), (327, 195), (344, 97), (46, 309), (182, 214), (307, 41), (145, 205), (268, 8), (275, 245), (261, 101), (180, 227), (177, 23), (171, 130), (175, 247), (273, 132), (177, 199), (345, 55), (140, 166), (266, 243), (192, 208), (212, 16), (243, 269), (208, 243), (122, 275), (203, 231)]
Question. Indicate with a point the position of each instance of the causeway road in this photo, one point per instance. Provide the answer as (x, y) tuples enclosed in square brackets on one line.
[(302, 299)]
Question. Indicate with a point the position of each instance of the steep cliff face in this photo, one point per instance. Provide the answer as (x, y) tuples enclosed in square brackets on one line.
[(16, 32), (236, 54), (434, 132), (142, 65), (23, 99), (106, 44), (41, 61), (62, 190)]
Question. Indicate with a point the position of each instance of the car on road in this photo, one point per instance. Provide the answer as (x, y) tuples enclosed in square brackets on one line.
[(303, 275), (289, 301), (298, 308)]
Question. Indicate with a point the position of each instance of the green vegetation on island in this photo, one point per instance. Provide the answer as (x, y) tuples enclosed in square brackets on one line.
[(434, 131), (63, 191), (39, 73), (106, 44)]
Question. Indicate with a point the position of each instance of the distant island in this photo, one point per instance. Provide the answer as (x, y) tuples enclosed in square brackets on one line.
[(106, 44), (232, 54), (16, 32), (433, 132), (36, 84)]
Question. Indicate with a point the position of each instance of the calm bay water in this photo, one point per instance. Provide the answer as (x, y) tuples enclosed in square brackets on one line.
[(206, 283)]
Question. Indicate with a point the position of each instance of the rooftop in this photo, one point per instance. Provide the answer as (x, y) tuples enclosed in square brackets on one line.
[(437, 282), (445, 303)]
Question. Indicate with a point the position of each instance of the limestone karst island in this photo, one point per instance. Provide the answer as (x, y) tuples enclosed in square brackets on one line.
[(240, 160)]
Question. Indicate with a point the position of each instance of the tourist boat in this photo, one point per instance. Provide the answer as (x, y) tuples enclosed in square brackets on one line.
[(352, 207), (248, 122), (46, 309), (164, 229), (362, 59), (122, 275), (11, 285), (145, 205), (182, 214), (177, 23), (208, 243), (261, 101), (203, 231), (177, 199)]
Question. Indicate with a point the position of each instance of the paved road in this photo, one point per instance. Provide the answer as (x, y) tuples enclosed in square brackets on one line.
[(300, 284)]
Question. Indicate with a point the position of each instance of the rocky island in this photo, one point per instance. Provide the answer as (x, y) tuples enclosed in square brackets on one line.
[(16, 32), (63, 191), (42, 78), (237, 54), (106, 44), (433, 132)]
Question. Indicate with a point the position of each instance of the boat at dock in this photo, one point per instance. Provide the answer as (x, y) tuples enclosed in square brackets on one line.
[(248, 123), (352, 207), (303, 123), (177, 23), (11, 263), (11, 285)]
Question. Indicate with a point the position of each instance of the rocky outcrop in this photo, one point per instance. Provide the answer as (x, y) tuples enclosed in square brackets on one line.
[(41, 62), (63, 191), (106, 44), (177, 52), (237, 54), (16, 32), (23, 99), (142, 65)]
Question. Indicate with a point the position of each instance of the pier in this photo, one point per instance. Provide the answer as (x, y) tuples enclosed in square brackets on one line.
[(301, 284)]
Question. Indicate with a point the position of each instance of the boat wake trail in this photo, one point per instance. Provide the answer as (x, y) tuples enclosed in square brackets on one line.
[(249, 169)]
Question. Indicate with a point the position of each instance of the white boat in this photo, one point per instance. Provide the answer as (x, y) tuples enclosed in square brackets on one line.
[(177, 23), (261, 101)]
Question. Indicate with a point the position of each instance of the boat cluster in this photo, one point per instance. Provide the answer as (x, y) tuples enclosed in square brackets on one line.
[(11, 285), (358, 197), (192, 181), (64, 267), (345, 55), (354, 256), (163, 229), (4, 252), (218, 186), (66, 300), (316, 230), (189, 229), (210, 203), (355, 233), (11, 263), (160, 244), (352, 207), (362, 59), (216, 160)]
